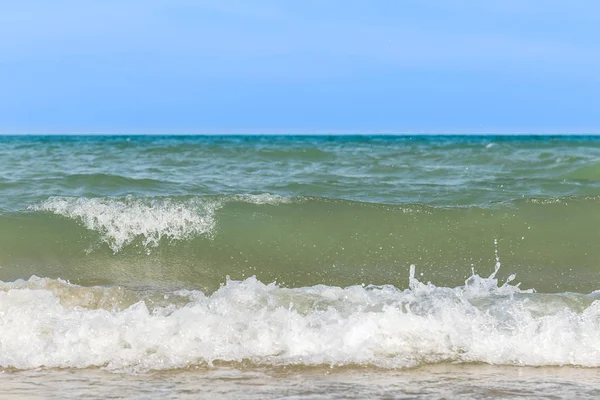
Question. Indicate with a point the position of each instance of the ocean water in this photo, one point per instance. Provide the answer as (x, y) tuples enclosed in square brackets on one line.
[(300, 267)]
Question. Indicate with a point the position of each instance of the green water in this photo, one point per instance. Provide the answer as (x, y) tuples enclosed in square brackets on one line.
[(550, 245)]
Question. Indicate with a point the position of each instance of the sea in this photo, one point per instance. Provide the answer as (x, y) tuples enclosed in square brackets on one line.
[(300, 267)]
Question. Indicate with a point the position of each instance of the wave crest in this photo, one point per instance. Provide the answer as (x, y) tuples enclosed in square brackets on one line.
[(247, 320), (121, 221)]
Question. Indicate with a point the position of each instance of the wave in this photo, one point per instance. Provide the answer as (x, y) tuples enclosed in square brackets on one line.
[(47, 323), (120, 221), (101, 180), (301, 241), (590, 172)]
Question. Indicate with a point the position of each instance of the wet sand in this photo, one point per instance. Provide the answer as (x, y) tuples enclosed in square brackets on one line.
[(442, 381)]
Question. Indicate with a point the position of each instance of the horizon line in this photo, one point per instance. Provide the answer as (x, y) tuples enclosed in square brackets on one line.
[(300, 133)]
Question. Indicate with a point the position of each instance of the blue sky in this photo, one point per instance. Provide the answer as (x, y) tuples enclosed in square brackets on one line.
[(311, 66)]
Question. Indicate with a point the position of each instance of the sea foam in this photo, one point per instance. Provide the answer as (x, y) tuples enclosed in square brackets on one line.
[(122, 220), (265, 198), (42, 325)]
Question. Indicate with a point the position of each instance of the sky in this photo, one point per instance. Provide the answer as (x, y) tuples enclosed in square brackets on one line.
[(310, 66)]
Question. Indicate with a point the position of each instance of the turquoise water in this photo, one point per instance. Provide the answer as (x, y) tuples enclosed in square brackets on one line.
[(145, 253), (431, 170)]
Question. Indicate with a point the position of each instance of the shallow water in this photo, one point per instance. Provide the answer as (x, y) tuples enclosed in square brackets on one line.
[(444, 381)]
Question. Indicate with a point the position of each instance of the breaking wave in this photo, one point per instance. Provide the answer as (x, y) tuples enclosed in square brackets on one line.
[(120, 221), (47, 323)]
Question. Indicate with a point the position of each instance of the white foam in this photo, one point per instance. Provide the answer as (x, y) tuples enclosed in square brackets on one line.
[(267, 324), (264, 198), (121, 221)]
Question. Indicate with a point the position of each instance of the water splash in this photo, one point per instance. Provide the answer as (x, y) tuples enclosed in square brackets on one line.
[(121, 220), (41, 325)]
